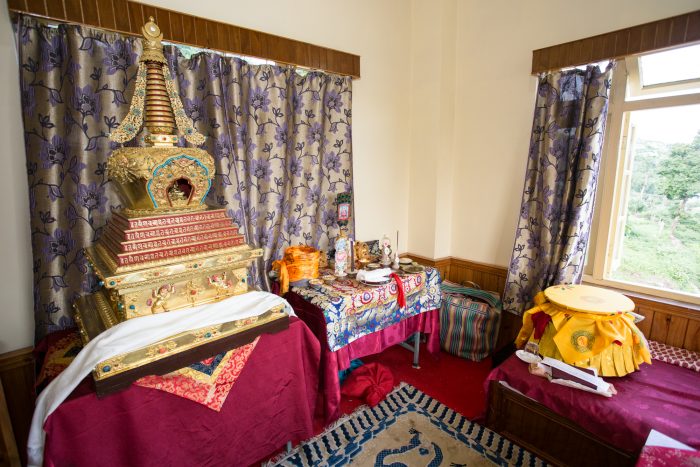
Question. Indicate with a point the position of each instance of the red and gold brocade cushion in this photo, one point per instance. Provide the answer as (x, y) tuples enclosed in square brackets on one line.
[(60, 349)]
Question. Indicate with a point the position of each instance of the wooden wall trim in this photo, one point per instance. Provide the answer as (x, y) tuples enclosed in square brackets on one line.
[(9, 455), (648, 37), (667, 321), (17, 375), (127, 17)]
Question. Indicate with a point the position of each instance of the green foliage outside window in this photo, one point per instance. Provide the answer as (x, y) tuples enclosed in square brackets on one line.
[(662, 231)]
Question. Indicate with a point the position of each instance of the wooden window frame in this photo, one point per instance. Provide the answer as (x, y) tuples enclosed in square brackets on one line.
[(637, 90), (655, 36), (127, 17), (615, 177)]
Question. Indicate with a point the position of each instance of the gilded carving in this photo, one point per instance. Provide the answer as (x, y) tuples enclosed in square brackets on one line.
[(222, 284), (160, 295), (180, 343), (131, 125)]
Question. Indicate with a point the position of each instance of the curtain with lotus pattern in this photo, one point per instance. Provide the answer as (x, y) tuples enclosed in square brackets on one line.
[(560, 184), (281, 140), (282, 144)]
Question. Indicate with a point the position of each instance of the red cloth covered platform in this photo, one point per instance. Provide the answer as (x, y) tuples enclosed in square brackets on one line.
[(659, 396), (272, 402), (332, 362)]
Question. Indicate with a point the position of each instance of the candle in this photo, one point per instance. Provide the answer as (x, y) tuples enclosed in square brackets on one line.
[(352, 255)]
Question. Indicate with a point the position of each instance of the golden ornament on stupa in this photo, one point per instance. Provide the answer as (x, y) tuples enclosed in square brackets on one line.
[(165, 250)]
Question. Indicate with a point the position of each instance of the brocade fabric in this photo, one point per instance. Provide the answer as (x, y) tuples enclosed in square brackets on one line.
[(281, 140), (427, 323), (207, 382), (353, 310), (683, 358), (560, 184)]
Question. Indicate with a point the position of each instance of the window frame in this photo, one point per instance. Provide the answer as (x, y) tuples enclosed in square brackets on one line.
[(613, 175), (637, 90)]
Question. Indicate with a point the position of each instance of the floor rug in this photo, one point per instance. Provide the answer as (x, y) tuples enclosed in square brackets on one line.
[(407, 428)]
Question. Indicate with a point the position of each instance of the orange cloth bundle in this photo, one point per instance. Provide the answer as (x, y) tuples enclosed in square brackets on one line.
[(299, 262)]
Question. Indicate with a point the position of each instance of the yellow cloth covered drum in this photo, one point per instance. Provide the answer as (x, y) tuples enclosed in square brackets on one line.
[(608, 342)]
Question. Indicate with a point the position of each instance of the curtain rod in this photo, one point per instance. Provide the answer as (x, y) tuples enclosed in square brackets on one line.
[(649, 37), (127, 16)]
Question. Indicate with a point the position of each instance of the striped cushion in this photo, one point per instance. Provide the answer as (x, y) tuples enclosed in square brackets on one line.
[(469, 320)]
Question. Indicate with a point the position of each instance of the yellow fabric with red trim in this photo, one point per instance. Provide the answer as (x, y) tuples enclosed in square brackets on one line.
[(611, 343)]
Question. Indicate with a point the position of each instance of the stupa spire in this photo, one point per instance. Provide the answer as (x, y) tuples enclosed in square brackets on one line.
[(156, 103)]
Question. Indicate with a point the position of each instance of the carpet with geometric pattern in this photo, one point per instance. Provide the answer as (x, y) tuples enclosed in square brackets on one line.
[(408, 428)]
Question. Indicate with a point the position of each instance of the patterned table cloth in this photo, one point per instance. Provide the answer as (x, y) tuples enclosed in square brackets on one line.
[(353, 310)]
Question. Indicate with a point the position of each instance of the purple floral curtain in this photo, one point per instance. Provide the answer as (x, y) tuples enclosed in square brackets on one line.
[(560, 184), (282, 142)]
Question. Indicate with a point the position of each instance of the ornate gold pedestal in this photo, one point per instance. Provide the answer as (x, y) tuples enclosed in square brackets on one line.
[(165, 250), (168, 354)]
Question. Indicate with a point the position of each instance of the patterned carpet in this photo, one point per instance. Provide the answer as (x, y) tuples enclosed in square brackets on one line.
[(407, 428)]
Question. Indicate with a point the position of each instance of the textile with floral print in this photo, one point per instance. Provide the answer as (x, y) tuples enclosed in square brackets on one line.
[(560, 184)]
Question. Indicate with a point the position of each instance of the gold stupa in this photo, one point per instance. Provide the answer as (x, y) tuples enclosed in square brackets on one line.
[(165, 249)]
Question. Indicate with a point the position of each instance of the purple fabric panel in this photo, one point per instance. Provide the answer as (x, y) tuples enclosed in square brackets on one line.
[(560, 184), (659, 396), (332, 362), (272, 401)]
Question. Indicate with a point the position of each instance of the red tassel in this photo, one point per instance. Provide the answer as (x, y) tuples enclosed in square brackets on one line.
[(401, 295)]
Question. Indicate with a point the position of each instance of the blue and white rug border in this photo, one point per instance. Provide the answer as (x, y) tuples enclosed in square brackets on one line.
[(338, 444)]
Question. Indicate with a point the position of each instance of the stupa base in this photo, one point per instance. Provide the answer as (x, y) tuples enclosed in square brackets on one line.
[(94, 315)]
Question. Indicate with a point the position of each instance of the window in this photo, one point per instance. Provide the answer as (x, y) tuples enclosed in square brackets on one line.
[(647, 223)]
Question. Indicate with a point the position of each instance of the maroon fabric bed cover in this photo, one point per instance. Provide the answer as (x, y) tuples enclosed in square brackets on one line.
[(659, 396)]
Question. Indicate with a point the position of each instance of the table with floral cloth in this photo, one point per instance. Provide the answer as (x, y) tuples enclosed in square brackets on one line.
[(352, 320)]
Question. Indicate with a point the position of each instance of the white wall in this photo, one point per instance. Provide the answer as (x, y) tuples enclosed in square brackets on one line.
[(433, 43), (494, 102), (16, 303)]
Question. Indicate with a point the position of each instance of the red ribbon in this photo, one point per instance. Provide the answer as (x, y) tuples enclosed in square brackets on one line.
[(401, 296)]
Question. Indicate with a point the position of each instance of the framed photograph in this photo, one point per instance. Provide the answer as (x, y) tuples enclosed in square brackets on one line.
[(343, 202), (343, 211)]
